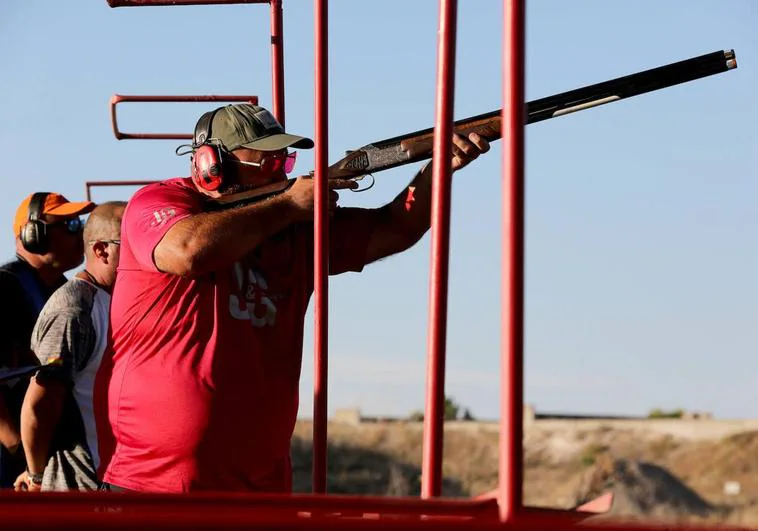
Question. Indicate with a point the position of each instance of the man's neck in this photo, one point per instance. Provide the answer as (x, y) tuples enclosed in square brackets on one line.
[(94, 278)]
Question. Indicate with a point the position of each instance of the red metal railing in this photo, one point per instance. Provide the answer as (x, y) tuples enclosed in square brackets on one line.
[(120, 98), (92, 184), (148, 3), (321, 246), (431, 478), (112, 511), (277, 60), (242, 510), (512, 297)]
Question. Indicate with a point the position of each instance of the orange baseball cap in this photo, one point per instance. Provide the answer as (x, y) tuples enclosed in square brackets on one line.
[(55, 205)]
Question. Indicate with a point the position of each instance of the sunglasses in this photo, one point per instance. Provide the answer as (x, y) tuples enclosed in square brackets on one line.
[(272, 163), (73, 226), (114, 242)]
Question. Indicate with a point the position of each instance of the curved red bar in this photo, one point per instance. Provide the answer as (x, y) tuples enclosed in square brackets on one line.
[(120, 98)]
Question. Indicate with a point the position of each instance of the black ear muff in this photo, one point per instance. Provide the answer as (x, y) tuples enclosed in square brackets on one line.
[(34, 232), (206, 162)]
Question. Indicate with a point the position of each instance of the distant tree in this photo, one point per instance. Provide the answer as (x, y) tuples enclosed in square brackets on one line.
[(451, 409), (452, 412), (416, 416), (662, 414)]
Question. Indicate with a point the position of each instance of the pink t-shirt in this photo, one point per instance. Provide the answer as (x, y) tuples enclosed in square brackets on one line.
[(204, 387)]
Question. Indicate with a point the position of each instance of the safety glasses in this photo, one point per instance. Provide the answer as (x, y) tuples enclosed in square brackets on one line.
[(73, 225), (272, 163)]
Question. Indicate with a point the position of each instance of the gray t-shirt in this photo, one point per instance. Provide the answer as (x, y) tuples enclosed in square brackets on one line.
[(73, 326)]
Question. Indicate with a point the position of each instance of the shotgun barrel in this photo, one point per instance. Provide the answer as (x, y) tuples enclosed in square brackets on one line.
[(416, 146)]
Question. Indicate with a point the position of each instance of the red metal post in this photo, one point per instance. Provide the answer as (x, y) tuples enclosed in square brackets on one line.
[(321, 248), (277, 60), (512, 363), (431, 481)]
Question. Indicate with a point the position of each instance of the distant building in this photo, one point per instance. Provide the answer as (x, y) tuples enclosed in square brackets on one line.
[(350, 416)]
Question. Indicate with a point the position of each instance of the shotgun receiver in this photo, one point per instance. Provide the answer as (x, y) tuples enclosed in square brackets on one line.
[(416, 146)]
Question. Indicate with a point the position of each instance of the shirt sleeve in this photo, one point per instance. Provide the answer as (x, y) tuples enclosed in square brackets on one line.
[(68, 337), (350, 231), (149, 216)]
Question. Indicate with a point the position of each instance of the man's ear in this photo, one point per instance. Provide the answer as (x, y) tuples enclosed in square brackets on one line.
[(100, 250)]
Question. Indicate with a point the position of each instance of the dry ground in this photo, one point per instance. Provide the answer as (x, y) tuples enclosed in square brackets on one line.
[(385, 459)]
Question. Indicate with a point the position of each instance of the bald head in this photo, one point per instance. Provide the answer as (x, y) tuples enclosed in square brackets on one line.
[(104, 223), (102, 242)]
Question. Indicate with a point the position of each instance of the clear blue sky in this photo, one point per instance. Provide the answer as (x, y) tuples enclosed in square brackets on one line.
[(641, 216)]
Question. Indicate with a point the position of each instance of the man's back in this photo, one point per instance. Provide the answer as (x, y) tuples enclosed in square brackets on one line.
[(73, 329)]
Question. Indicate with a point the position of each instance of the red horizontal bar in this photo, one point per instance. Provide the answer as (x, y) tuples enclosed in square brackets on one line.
[(115, 512), (91, 184), (299, 502), (149, 3), (121, 98)]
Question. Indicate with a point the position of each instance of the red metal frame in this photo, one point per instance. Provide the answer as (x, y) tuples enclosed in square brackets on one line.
[(236, 510), (121, 98), (92, 184), (152, 3), (431, 474), (512, 297), (321, 246), (277, 60)]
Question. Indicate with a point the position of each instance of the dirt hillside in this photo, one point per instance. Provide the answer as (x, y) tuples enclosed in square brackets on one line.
[(656, 471)]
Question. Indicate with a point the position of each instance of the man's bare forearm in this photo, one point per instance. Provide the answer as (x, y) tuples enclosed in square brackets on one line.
[(405, 220), (208, 241), (40, 415), (9, 433)]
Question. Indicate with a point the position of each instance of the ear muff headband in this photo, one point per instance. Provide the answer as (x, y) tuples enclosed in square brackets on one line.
[(203, 128)]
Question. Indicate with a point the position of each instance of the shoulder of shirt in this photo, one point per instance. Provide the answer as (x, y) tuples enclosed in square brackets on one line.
[(75, 296), (180, 183), (11, 271)]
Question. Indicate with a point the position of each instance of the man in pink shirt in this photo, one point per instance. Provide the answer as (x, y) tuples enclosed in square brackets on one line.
[(208, 308)]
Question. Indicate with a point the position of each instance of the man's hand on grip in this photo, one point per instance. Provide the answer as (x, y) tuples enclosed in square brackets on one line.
[(302, 194)]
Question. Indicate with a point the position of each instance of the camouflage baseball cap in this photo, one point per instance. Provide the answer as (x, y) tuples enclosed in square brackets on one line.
[(248, 126)]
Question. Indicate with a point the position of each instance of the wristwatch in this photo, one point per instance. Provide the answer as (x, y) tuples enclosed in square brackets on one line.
[(34, 478)]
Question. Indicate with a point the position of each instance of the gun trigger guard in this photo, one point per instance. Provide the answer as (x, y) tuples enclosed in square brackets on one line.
[(360, 179)]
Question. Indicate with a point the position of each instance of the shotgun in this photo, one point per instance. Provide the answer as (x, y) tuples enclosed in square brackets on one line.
[(417, 146)]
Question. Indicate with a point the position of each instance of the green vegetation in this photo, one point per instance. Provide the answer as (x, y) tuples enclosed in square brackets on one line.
[(453, 411), (663, 414)]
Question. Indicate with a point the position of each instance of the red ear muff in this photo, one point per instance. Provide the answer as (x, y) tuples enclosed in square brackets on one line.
[(206, 162), (206, 167)]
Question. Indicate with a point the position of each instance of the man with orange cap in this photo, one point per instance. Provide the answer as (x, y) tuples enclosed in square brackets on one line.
[(48, 233)]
